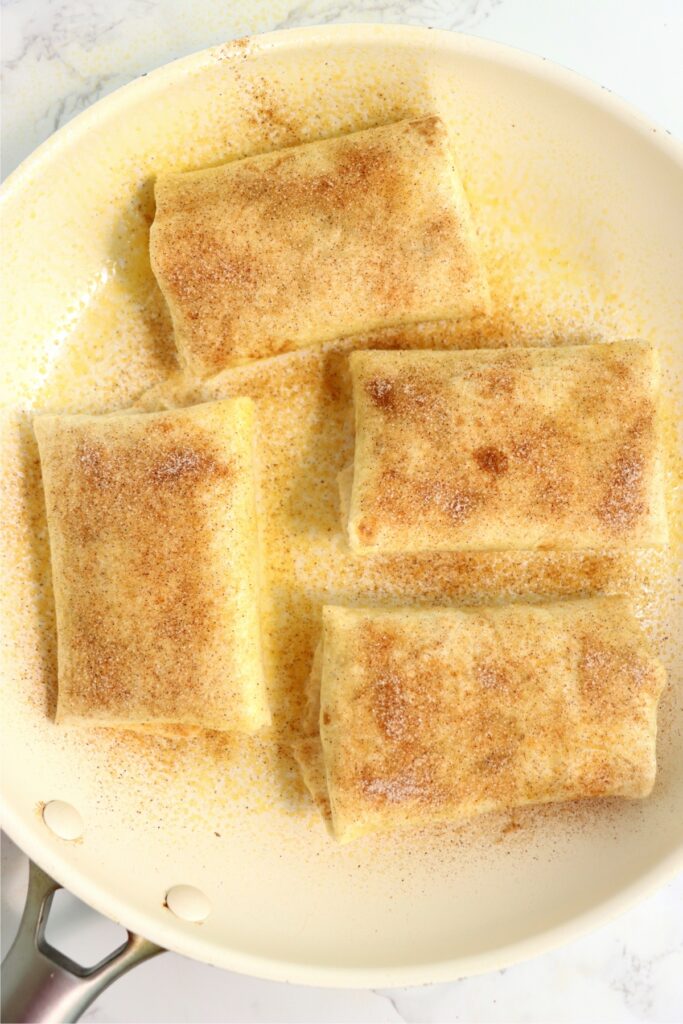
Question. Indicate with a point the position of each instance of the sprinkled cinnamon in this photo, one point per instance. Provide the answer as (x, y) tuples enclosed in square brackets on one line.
[(140, 507), (290, 248), (485, 449), (451, 712)]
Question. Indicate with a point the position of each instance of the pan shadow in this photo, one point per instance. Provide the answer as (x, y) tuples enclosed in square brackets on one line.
[(34, 518), (129, 250)]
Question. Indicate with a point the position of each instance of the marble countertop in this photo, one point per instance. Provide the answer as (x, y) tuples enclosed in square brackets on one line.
[(59, 56)]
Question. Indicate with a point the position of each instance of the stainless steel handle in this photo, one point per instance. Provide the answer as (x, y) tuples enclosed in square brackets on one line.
[(40, 984)]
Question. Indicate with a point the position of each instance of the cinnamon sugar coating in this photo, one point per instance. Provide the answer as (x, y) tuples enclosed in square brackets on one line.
[(432, 714), (516, 448), (289, 248), (155, 567)]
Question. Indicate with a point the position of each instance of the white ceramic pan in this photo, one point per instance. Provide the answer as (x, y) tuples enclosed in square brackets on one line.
[(580, 207)]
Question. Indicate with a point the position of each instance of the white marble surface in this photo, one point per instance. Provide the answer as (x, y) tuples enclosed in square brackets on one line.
[(59, 56)]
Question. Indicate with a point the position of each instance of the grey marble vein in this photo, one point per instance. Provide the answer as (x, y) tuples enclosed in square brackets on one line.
[(456, 14)]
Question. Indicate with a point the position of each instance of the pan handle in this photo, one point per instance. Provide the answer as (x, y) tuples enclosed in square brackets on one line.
[(42, 986)]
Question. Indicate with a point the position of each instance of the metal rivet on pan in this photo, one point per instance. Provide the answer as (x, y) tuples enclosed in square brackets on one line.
[(188, 903), (63, 819)]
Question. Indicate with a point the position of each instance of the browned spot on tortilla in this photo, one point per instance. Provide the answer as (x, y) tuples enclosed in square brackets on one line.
[(491, 460)]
